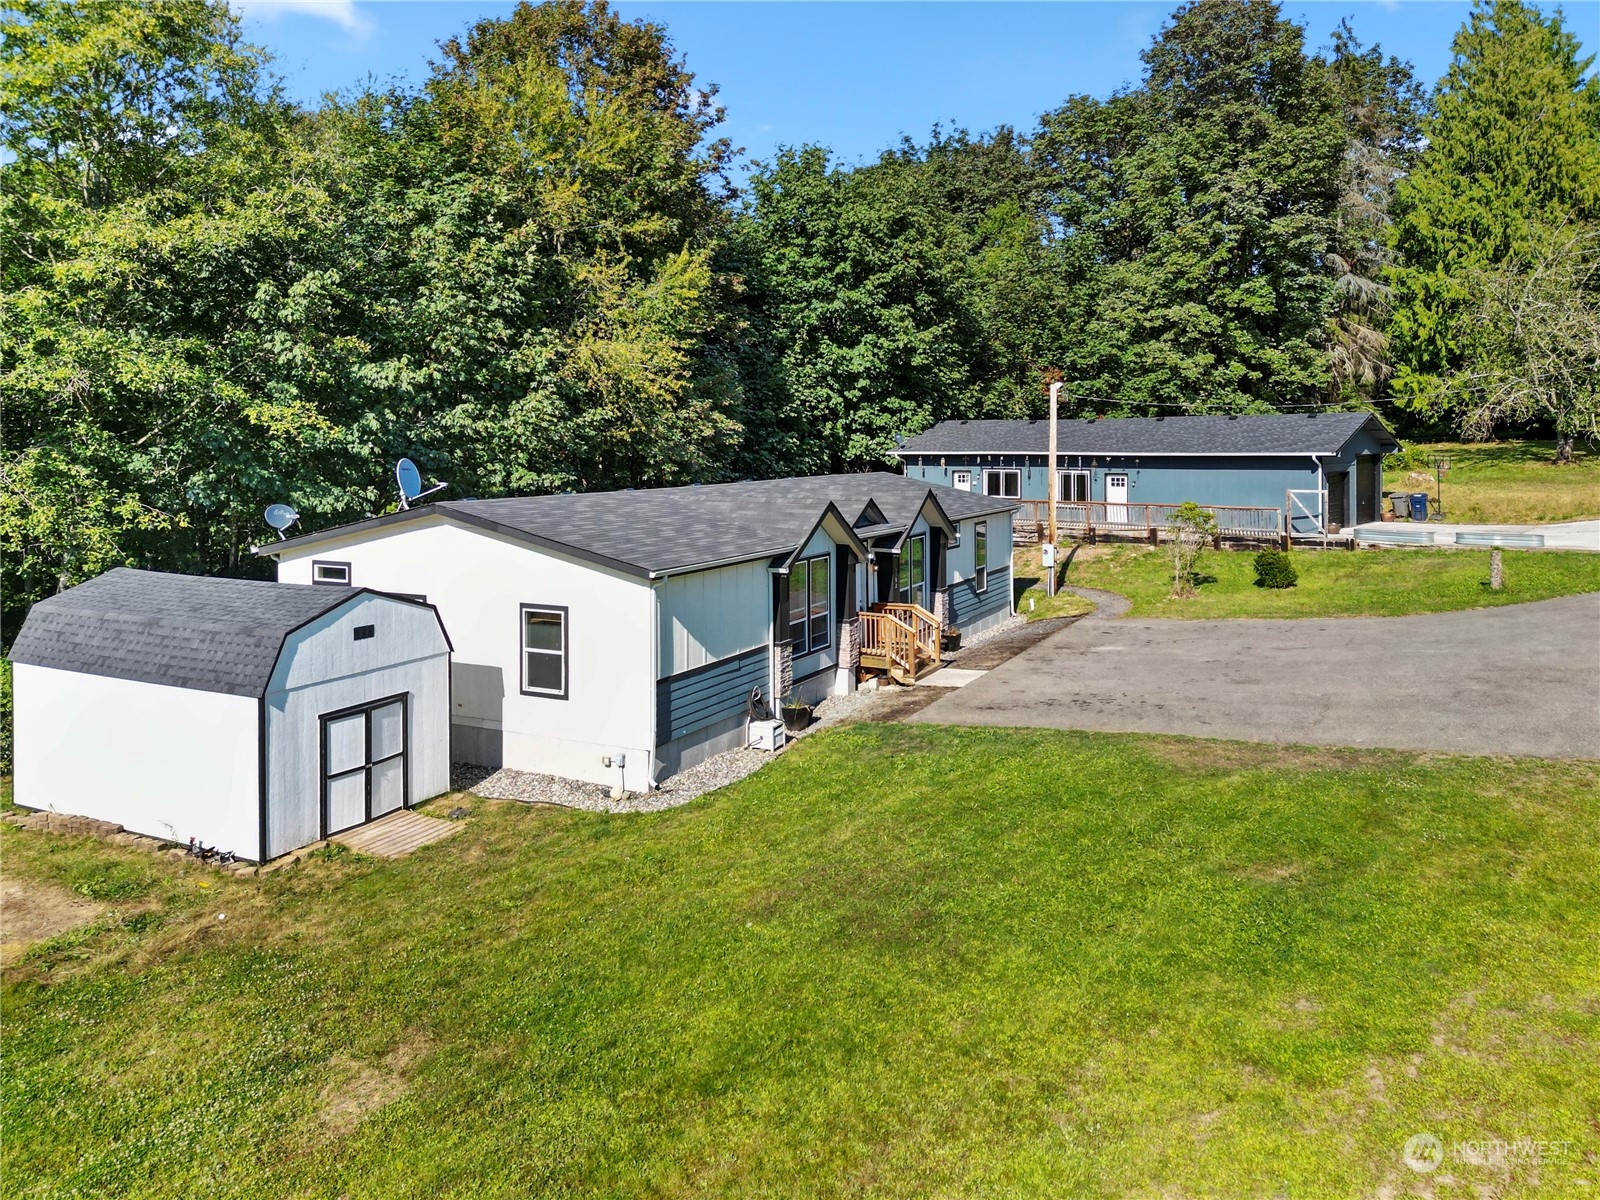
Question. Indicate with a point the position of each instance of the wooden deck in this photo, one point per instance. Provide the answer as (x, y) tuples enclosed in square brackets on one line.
[(397, 834), (901, 640)]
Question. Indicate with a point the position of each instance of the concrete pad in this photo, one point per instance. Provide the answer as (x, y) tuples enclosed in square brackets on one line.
[(397, 834), (1566, 535), (950, 677), (1523, 679)]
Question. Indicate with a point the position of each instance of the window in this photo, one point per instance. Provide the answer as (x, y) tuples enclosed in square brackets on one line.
[(961, 480), (330, 572), (1005, 484), (914, 570), (544, 651), (810, 611), (1072, 487), (980, 556)]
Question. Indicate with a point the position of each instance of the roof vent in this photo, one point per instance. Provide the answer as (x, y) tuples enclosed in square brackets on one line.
[(1312, 416), (963, 422), (1233, 416), (1162, 418)]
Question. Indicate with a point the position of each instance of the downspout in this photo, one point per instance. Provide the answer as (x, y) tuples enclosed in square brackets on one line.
[(653, 767)]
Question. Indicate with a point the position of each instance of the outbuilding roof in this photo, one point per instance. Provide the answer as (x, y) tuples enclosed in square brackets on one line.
[(1235, 436), (658, 531), (212, 635)]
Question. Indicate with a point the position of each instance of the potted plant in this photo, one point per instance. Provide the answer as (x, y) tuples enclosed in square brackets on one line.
[(796, 713)]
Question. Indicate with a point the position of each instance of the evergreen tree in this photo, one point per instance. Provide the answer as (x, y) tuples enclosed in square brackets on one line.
[(1382, 106), (1513, 148), (1208, 196)]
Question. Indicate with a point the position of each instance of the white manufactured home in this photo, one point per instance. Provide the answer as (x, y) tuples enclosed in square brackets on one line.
[(254, 717), (617, 637)]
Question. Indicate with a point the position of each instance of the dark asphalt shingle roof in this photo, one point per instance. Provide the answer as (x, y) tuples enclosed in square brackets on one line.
[(1278, 433), (658, 530), (213, 635)]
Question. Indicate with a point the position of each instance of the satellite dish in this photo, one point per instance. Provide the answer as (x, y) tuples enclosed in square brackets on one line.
[(280, 517), (410, 481)]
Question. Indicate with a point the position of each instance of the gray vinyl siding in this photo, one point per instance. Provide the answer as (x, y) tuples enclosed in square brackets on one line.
[(685, 703), (968, 605)]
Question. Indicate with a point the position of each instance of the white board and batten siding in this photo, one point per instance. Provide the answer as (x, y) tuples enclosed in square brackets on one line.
[(325, 668), (479, 580), (168, 762), (707, 616)]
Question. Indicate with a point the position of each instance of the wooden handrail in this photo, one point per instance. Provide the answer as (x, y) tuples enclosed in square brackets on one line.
[(928, 629), (886, 635)]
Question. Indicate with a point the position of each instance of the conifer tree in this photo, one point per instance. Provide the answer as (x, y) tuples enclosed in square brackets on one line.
[(1513, 151)]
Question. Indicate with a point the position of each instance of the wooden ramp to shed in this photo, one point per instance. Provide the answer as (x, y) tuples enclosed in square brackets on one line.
[(397, 834)]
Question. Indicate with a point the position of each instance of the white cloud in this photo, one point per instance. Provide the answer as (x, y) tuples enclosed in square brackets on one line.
[(342, 13)]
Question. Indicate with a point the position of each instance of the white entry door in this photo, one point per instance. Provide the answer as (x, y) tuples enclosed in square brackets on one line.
[(1116, 499), (961, 480)]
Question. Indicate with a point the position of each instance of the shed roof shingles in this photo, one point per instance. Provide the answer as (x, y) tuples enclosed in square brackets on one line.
[(1267, 434), (211, 635)]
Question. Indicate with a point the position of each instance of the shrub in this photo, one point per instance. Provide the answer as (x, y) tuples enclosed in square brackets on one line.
[(1275, 570), (1190, 529)]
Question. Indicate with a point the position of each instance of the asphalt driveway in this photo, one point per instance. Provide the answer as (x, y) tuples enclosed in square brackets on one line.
[(1523, 679)]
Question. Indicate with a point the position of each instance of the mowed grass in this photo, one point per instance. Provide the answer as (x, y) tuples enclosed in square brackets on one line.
[(1334, 583), (1506, 483), (900, 961)]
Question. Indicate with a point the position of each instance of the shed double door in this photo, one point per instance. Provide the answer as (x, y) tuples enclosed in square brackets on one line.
[(363, 763)]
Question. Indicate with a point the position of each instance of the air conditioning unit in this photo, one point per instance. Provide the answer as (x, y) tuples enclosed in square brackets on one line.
[(765, 735)]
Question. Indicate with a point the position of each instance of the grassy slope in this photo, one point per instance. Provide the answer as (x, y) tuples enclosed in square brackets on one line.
[(1512, 483), (1014, 963), (1031, 599), (1335, 583)]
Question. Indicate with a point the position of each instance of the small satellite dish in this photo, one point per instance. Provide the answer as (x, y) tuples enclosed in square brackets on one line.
[(410, 481), (280, 517)]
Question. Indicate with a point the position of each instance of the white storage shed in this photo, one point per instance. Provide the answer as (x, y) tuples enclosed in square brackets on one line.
[(255, 717)]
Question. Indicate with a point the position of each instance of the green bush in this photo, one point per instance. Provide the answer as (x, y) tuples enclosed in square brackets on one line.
[(1274, 570)]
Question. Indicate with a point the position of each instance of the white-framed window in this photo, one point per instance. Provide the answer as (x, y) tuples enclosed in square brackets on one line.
[(1072, 487), (980, 556), (961, 480), (1005, 482), (323, 571), (544, 650), (810, 606), (913, 578)]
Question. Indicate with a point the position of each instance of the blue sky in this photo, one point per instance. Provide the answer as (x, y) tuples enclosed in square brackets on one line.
[(853, 77)]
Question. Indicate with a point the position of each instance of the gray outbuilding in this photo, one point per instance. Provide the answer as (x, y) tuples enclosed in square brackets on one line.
[(252, 716)]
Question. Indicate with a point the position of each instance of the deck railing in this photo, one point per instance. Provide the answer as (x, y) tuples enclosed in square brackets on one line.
[(1148, 520), (924, 625), (885, 636)]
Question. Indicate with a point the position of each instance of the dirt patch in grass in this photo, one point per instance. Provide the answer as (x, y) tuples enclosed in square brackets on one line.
[(32, 912), (1201, 756), (359, 1089)]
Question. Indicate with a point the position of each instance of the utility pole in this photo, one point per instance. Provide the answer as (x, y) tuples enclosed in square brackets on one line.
[(1052, 485)]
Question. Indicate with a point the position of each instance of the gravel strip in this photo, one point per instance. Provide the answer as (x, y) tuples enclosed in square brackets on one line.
[(718, 771)]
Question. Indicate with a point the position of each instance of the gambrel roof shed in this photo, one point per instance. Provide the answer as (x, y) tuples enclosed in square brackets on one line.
[(188, 631)]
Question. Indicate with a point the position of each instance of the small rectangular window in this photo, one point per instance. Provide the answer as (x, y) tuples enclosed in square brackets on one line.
[(330, 572), (820, 605), (544, 651), (980, 556), (363, 632)]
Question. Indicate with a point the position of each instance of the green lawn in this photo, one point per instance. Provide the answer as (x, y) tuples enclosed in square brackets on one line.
[(1335, 583), (1513, 483), (901, 961)]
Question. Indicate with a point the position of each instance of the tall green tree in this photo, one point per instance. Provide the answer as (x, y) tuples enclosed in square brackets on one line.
[(871, 318), (1209, 193), (1513, 147), (1382, 107)]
